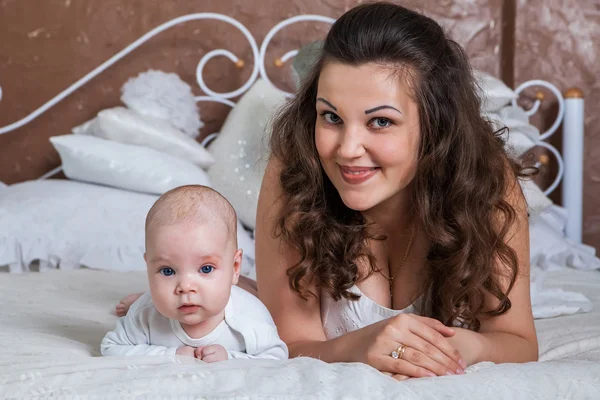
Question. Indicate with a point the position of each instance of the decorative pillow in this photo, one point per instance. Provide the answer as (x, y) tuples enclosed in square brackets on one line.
[(303, 61), (494, 93), (521, 136), (70, 224), (241, 149), (164, 96), (95, 160), (126, 126)]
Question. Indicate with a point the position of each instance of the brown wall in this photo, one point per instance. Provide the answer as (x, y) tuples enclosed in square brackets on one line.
[(47, 45), (560, 44)]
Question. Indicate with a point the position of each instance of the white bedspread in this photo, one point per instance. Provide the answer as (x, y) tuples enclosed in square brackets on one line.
[(51, 325)]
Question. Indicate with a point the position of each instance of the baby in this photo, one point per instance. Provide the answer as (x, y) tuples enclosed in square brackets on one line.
[(193, 307)]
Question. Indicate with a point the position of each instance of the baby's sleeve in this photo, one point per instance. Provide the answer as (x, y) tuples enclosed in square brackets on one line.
[(253, 320), (268, 345), (129, 338)]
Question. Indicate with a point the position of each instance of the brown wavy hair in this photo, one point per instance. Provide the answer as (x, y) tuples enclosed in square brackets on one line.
[(460, 185)]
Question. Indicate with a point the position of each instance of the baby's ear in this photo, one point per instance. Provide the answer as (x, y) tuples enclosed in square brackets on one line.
[(145, 258), (237, 266)]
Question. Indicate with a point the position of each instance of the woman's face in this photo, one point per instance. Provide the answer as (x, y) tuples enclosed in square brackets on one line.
[(366, 133)]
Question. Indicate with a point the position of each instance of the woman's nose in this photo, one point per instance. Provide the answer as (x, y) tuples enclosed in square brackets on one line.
[(351, 143)]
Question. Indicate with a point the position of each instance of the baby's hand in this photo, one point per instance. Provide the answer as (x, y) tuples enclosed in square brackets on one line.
[(186, 351), (212, 353)]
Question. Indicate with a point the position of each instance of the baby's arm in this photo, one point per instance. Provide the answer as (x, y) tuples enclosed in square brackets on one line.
[(277, 351), (258, 329), (268, 344), (129, 339)]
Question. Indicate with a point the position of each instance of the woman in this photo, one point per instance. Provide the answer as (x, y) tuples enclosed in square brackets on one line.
[(390, 211), (391, 228)]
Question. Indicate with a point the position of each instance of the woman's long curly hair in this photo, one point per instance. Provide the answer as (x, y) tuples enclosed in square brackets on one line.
[(461, 179)]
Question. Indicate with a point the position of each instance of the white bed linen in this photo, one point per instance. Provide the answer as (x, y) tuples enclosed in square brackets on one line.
[(52, 325)]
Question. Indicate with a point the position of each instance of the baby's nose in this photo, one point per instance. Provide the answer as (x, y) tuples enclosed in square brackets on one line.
[(187, 285)]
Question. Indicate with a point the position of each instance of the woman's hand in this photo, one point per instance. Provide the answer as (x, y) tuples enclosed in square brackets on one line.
[(468, 343), (428, 350)]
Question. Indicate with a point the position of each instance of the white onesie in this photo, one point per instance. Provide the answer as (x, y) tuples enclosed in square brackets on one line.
[(248, 331)]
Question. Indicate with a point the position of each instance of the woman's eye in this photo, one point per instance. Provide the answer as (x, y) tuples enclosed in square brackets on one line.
[(331, 118), (167, 271), (207, 269), (381, 122)]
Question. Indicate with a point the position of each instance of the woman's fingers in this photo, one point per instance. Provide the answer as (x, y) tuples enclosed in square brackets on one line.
[(411, 354), (398, 377), (427, 352), (435, 360), (403, 367), (435, 338), (417, 357)]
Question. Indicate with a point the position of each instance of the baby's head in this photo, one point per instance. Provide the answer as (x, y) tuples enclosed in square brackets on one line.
[(191, 253)]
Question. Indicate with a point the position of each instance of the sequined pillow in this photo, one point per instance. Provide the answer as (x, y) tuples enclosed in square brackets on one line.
[(241, 149)]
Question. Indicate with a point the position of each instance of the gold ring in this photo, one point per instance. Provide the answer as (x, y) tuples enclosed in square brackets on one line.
[(399, 352)]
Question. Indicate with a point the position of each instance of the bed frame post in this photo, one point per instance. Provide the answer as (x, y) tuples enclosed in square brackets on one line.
[(573, 151)]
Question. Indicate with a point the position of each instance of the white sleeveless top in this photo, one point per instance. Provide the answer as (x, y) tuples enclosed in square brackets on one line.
[(340, 317)]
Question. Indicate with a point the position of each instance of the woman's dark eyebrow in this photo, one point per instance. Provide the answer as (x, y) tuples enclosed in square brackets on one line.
[(381, 108), (328, 103)]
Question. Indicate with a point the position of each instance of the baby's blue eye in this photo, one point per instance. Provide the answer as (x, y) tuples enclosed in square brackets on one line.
[(207, 269), (167, 271)]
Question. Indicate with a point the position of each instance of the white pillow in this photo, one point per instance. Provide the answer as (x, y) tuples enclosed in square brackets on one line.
[(164, 96), (536, 200), (126, 126), (494, 93), (70, 224), (521, 136), (241, 149), (95, 160), (550, 249)]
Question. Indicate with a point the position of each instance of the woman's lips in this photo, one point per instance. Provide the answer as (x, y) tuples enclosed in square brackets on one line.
[(357, 175)]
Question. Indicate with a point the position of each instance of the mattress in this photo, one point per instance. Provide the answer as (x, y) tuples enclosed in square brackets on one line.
[(52, 324)]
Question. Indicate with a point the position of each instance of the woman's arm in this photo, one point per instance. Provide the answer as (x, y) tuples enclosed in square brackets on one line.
[(510, 337), (299, 321)]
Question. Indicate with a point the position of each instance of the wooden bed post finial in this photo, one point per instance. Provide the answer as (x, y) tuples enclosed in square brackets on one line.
[(574, 93), (539, 95)]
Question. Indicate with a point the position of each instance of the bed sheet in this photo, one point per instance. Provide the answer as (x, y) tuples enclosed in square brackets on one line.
[(52, 324)]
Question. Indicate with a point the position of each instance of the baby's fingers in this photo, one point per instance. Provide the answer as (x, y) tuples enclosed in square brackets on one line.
[(213, 357)]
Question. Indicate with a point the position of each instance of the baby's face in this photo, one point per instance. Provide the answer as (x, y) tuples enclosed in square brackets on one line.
[(191, 269)]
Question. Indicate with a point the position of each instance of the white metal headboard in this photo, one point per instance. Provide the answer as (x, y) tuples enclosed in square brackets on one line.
[(570, 108)]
